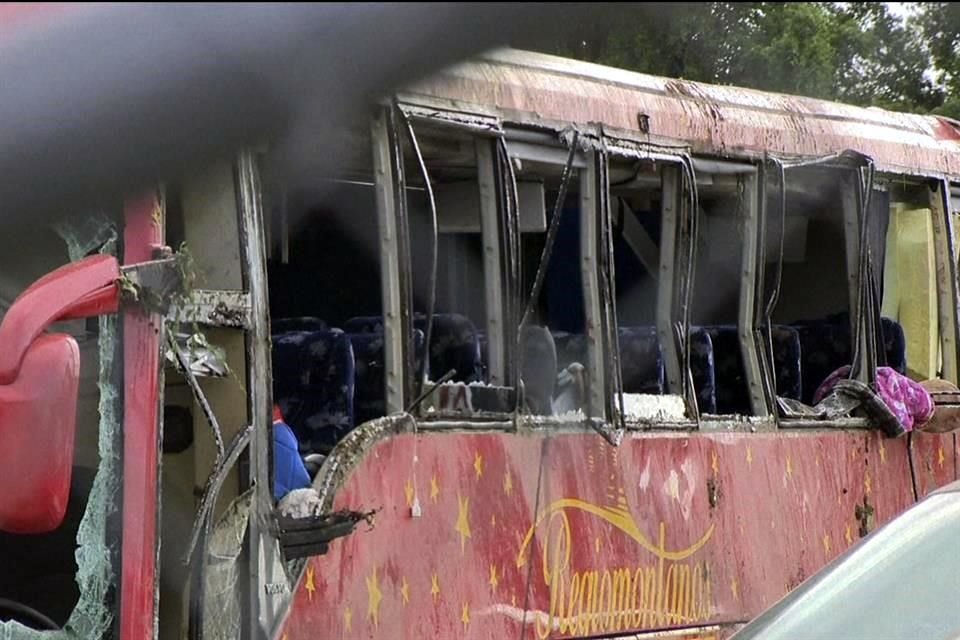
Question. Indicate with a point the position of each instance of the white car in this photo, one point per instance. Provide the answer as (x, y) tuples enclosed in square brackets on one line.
[(902, 582)]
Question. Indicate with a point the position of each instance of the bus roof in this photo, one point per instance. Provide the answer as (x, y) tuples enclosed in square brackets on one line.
[(538, 89)]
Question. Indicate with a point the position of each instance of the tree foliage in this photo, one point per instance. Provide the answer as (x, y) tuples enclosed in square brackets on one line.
[(854, 52)]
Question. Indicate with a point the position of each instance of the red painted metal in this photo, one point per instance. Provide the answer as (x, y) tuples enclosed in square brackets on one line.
[(38, 419), (75, 290), (141, 366), (39, 383), (667, 531)]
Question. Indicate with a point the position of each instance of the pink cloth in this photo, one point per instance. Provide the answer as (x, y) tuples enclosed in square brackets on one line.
[(908, 400)]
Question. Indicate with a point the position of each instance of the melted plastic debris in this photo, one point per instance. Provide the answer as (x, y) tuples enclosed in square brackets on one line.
[(92, 617), (301, 503), (221, 608), (204, 359), (648, 407)]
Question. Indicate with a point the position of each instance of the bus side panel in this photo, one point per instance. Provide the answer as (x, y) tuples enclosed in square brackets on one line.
[(666, 531)]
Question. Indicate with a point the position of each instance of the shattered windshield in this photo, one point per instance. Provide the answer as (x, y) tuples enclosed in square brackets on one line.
[(66, 579)]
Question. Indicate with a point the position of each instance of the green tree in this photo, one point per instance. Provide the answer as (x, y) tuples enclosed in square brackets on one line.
[(853, 52), (939, 23)]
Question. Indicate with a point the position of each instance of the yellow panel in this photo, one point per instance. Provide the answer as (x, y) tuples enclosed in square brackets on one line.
[(910, 287)]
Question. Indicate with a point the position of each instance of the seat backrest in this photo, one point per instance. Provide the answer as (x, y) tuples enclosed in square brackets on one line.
[(370, 393), (641, 360), (731, 383), (894, 345), (453, 345), (826, 346), (313, 382), (787, 361), (364, 324), (303, 323), (733, 393), (538, 368), (703, 370)]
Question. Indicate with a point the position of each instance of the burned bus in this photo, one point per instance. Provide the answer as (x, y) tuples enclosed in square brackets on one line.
[(555, 344)]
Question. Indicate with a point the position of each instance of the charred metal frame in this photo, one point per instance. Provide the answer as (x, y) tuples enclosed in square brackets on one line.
[(947, 286), (263, 547), (395, 346), (667, 282), (760, 402), (589, 241), (850, 207), (490, 223)]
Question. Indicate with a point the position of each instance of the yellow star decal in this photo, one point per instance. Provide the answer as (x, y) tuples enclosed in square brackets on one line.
[(374, 596), (348, 619), (848, 535), (508, 483), (309, 584), (826, 543), (434, 488), (867, 485), (408, 492), (735, 589), (405, 591), (463, 521), (478, 464), (940, 457), (749, 456), (789, 467), (435, 586), (494, 580), (883, 453), (465, 615), (714, 462)]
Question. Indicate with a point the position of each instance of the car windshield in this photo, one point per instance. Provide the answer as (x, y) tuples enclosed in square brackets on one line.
[(901, 582)]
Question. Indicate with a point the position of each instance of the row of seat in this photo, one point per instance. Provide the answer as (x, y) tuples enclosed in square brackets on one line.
[(326, 380)]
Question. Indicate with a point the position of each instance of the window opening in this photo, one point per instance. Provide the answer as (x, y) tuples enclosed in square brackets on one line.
[(722, 312), (555, 308), (324, 284), (637, 211)]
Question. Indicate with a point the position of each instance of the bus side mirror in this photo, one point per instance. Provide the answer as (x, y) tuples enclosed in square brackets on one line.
[(39, 386)]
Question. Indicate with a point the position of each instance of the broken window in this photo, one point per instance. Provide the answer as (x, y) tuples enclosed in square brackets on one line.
[(809, 304), (722, 313), (650, 263), (918, 334), (66, 579), (325, 301), (557, 351)]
